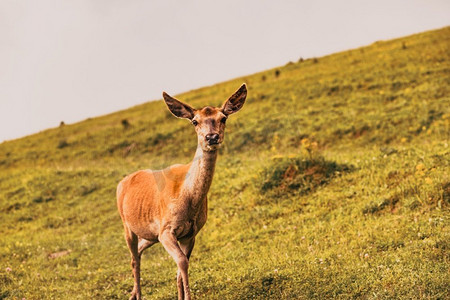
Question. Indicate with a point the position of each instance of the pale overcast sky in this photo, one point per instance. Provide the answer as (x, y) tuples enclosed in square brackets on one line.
[(67, 60)]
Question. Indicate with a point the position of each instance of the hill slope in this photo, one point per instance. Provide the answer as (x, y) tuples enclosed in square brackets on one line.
[(333, 182)]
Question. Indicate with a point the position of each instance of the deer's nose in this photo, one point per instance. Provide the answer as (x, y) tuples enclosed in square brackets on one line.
[(212, 138)]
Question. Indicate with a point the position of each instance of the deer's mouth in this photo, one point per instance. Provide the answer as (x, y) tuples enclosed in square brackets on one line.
[(213, 146)]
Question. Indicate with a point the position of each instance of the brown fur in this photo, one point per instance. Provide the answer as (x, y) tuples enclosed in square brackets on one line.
[(170, 205)]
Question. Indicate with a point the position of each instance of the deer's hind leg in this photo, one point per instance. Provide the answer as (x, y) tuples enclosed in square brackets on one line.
[(132, 242)]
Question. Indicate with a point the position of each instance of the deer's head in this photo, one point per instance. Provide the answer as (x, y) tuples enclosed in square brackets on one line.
[(209, 122)]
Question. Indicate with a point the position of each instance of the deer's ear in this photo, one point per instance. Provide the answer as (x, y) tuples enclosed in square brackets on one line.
[(235, 102), (178, 108)]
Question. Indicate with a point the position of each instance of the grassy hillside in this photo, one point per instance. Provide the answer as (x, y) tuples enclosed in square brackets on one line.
[(333, 182)]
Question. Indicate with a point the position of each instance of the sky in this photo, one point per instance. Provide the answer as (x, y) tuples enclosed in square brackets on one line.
[(68, 61)]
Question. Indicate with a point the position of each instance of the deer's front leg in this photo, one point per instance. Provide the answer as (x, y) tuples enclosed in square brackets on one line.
[(169, 241), (186, 246)]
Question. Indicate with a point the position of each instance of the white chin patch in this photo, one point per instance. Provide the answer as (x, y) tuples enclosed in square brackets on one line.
[(212, 147)]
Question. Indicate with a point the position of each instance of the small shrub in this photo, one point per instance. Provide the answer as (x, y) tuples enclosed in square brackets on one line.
[(62, 144), (125, 124), (298, 175)]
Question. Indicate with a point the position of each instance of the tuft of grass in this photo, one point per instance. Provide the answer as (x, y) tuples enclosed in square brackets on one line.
[(62, 144), (298, 175)]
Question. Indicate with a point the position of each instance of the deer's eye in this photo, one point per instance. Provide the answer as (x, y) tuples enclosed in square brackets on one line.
[(223, 120), (194, 122)]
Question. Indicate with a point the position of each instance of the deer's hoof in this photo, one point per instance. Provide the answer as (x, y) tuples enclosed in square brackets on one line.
[(135, 297)]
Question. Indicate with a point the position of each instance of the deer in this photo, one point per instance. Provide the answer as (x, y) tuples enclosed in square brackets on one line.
[(170, 205)]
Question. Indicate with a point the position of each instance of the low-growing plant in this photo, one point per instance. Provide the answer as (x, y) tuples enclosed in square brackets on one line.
[(299, 174)]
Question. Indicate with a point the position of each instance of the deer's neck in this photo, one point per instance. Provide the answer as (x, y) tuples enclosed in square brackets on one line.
[(199, 177)]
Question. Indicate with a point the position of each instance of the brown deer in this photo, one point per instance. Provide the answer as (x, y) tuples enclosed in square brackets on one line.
[(170, 205)]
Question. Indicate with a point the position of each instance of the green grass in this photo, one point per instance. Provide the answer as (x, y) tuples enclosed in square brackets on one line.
[(333, 182)]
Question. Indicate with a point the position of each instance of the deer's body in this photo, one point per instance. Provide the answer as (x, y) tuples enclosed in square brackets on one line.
[(152, 201), (170, 205)]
